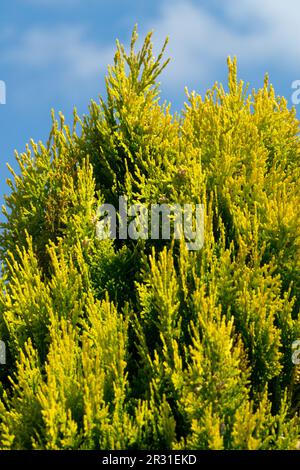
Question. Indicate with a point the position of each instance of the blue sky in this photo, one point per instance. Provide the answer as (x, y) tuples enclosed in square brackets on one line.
[(54, 53)]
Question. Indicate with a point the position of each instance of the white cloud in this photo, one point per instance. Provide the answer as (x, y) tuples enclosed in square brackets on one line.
[(279, 32), (260, 32), (66, 48)]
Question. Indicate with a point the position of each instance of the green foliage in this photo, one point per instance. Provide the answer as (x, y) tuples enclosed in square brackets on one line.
[(144, 344)]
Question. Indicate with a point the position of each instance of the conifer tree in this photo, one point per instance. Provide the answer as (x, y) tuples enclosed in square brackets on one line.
[(143, 344)]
